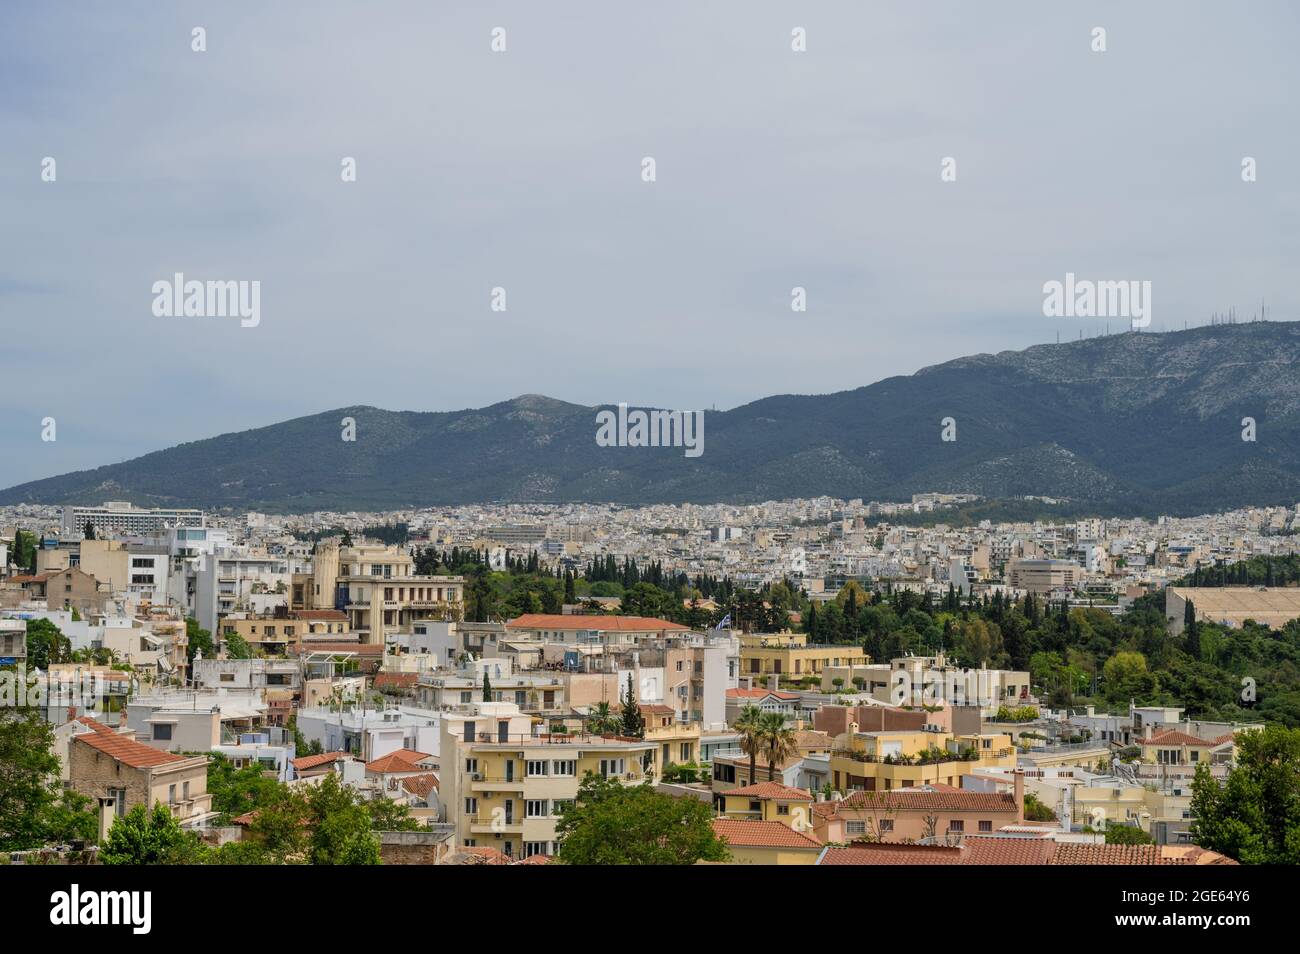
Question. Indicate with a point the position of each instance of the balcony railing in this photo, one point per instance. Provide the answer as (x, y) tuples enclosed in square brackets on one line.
[(554, 738)]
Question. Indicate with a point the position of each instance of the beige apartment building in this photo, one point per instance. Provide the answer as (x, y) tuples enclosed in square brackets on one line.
[(376, 586), (502, 786)]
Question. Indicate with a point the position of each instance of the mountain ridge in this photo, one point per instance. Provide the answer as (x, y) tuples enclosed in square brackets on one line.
[(1129, 422)]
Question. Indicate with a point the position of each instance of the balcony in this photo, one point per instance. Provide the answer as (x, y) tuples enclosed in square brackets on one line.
[(490, 824)]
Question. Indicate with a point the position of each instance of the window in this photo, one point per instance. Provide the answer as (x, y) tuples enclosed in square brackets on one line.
[(755, 806), (783, 809), (171, 794), (855, 828), (956, 825), (886, 824), (679, 665), (471, 766), (535, 848), (558, 805), (118, 796), (686, 751), (986, 826), (564, 767), (610, 767), (537, 767), (471, 806), (162, 731), (536, 808), (185, 791)]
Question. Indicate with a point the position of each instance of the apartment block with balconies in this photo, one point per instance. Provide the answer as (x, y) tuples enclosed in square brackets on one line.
[(503, 785)]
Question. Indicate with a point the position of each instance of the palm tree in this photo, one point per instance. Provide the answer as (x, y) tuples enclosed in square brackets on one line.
[(778, 741), (749, 725), (601, 719)]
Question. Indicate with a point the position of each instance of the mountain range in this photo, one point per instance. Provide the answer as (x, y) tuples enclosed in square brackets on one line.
[(1125, 423)]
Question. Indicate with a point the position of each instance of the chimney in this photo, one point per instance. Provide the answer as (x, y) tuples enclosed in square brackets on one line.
[(774, 682), (1019, 788), (121, 719)]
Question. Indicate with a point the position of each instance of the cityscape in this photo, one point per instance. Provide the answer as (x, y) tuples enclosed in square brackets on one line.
[(721, 436)]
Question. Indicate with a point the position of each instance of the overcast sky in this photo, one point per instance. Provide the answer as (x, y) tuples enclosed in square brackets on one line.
[(522, 170)]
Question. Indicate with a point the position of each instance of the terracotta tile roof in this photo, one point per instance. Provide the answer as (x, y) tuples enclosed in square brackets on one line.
[(535, 860), (812, 739), (396, 680), (331, 615), (1075, 854), (621, 624), (96, 725), (311, 761), (403, 760), (761, 834), (885, 853), (1017, 850), (127, 751), (771, 790), (421, 785), (482, 855), (1175, 737), (760, 694), (921, 799), (1002, 850)]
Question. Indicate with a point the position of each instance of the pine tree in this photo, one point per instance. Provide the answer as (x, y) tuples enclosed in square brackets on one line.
[(487, 688), (633, 723)]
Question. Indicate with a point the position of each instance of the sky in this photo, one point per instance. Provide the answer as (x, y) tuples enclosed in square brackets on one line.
[(523, 170)]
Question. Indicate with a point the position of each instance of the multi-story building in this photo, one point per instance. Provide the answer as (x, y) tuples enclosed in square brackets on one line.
[(120, 773), (13, 642), (1043, 577), (376, 586), (503, 786), (790, 654), (882, 761), (122, 518)]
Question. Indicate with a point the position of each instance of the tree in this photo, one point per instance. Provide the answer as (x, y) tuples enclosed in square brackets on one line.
[(1254, 816), (90, 530), (1117, 834), (199, 639), (778, 741), (750, 726), (389, 815), (46, 644), (602, 721), (237, 647), (236, 791), (28, 768), (340, 826), (1036, 810), (143, 837), (487, 687), (633, 722), (613, 824)]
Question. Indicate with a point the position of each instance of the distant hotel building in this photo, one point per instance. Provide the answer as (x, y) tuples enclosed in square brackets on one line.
[(516, 533), (1043, 577), (119, 516)]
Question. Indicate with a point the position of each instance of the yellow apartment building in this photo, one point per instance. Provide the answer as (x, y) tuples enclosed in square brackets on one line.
[(790, 654), (770, 801), (503, 786), (675, 743), (883, 761)]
